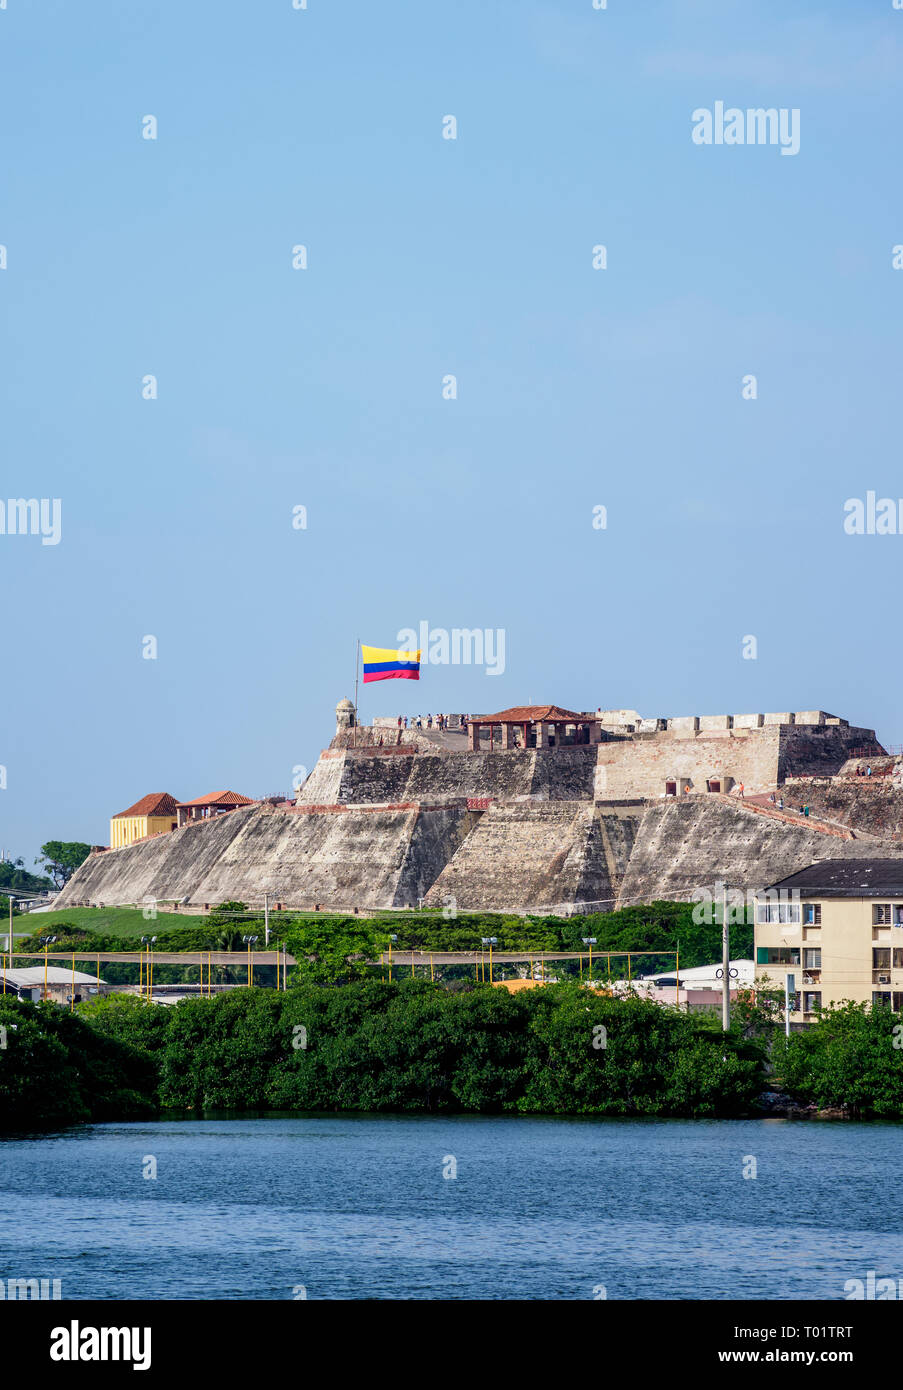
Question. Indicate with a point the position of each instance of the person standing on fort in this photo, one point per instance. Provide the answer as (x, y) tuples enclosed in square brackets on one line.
[(399, 721), (406, 721), (742, 789)]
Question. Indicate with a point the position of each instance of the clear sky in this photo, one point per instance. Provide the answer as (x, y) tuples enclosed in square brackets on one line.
[(322, 388)]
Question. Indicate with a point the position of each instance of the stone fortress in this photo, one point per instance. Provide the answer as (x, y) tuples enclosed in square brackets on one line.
[(535, 808)]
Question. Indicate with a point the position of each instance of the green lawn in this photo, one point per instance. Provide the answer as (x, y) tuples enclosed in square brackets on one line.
[(113, 921)]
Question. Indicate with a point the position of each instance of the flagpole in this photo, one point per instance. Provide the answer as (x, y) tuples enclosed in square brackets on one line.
[(357, 654)]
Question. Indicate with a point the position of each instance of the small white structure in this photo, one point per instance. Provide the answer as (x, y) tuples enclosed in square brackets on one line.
[(28, 983), (699, 987), (708, 976)]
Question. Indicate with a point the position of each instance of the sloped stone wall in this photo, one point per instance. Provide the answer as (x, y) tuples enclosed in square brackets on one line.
[(334, 858), (873, 804), (530, 855), (697, 842)]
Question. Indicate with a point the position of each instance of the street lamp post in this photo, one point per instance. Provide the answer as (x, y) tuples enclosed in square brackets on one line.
[(393, 936), (147, 941), (490, 941), (45, 941), (251, 941), (590, 941)]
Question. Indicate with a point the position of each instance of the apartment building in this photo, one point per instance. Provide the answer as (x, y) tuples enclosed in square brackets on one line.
[(832, 932)]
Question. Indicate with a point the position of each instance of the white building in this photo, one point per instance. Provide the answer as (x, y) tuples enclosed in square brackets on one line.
[(28, 983)]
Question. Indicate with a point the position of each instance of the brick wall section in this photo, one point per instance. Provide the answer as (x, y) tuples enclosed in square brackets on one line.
[(641, 766), (760, 758), (351, 778), (819, 750)]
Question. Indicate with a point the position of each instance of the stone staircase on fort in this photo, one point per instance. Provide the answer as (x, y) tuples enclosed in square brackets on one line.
[(760, 804)]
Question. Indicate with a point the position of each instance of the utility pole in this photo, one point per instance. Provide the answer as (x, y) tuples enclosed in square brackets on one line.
[(266, 920), (725, 964)]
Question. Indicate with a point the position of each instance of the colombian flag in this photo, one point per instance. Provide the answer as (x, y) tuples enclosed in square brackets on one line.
[(386, 664)]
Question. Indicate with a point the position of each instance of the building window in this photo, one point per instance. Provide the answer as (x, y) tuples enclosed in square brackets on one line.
[(786, 913), (898, 915), (812, 958), (881, 958), (811, 1000), (881, 914), (778, 955), (898, 957), (898, 1002), (812, 914), (881, 999), (670, 789)]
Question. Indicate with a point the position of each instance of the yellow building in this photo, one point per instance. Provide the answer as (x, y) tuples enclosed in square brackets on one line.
[(831, 932), (154, 814)]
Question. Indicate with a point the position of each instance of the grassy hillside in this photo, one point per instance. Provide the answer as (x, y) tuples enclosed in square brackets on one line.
[(110, 921)]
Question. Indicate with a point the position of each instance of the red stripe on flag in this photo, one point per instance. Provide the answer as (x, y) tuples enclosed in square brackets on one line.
[(392, 676)]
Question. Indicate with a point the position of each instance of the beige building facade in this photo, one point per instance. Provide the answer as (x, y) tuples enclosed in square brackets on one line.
[(154, 814), (833, 932)]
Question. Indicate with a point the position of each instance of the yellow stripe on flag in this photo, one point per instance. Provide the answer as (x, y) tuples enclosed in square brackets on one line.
[(379, 654)]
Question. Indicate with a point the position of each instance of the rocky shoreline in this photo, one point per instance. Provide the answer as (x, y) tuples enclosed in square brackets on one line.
[(780, 1105)]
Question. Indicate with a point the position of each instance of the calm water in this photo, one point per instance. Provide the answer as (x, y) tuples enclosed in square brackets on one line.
[(356, 1208)]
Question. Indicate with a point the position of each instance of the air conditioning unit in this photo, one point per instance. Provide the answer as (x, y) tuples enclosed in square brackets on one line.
[(884, 979)]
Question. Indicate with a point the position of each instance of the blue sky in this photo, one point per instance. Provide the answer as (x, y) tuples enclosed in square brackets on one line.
[(323, 388)]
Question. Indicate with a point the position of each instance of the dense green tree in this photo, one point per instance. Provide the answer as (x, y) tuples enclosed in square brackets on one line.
[(61, 858), (851, 1058), (376, 1046), (334, 951), (128, 1019), (55, 1069), (13, 874)]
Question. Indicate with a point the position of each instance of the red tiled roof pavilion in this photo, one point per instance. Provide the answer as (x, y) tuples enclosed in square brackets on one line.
[(154, 804), (524, 726), (214, 803)]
